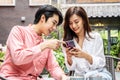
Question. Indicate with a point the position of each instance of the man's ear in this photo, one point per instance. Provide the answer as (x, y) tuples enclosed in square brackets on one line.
[(42, 19)]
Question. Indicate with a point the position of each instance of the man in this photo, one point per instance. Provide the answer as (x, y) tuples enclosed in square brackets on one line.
[(28, 53)]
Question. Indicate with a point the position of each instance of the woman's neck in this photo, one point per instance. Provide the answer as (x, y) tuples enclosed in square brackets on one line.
[(80, 39), (81, 35)]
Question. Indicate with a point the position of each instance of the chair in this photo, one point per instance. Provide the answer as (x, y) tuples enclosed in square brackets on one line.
[(1, 78), (1, 60), (110, 61)]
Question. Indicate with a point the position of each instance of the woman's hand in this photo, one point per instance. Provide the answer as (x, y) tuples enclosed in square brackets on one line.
[(81, 54), (68, 52), (76, 52), (69, 56)]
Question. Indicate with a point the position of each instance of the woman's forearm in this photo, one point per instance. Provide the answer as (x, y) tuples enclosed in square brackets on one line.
[(88, 57), (69, 60)]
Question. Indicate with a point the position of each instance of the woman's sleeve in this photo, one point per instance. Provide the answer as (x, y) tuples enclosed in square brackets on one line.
[(98, 53), (19, 52)]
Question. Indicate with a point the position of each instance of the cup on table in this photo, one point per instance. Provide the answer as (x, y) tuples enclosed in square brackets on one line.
[(48, 79), (76, 78), (95, 78), (104, 79)]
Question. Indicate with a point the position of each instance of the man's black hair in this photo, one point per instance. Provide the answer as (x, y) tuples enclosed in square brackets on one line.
[(48, 11)]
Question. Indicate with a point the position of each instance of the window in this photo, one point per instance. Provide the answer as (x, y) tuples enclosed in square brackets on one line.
[(55, 3), (7, 2), (113, 40), (88, 1), (39, 2)]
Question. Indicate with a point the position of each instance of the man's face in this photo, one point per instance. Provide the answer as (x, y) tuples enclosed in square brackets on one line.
[(50, 25)]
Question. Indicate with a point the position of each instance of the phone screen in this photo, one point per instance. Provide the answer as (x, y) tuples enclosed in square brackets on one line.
[(69, 43)]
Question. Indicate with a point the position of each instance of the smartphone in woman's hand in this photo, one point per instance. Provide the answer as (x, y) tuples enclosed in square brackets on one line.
[(69, 44)]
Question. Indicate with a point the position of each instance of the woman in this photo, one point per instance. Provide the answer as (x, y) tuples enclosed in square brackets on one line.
[(28, 53), (87, 57)]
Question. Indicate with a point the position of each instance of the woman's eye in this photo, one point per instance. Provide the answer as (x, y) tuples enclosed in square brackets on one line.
[(70, 23), (77, 22)]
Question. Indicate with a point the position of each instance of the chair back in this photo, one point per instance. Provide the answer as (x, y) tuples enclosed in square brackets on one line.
[(110, 65)]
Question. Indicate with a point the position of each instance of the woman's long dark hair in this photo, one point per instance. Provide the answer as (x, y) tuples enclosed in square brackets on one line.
[(79, 11)]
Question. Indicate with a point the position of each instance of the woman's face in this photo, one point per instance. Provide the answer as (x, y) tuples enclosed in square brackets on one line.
[(76, 24), (50, 25)]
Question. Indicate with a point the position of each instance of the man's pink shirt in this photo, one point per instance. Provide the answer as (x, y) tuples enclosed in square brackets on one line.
[(24, 59)]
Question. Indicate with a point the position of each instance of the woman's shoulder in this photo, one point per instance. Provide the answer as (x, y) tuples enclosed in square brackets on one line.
[(95, 34)]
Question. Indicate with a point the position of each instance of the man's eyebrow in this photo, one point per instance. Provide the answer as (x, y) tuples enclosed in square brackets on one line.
[(55, 21)]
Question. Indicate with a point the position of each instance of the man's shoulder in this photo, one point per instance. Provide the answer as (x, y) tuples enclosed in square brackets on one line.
[(18, 27)]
